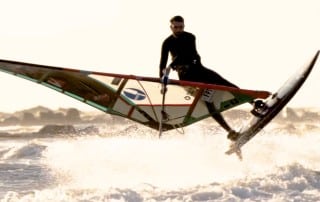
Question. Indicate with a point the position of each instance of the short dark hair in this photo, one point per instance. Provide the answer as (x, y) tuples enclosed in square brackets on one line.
[(177, 18)]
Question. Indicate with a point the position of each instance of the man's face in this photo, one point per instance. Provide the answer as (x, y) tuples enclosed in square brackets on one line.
[(177, 27)]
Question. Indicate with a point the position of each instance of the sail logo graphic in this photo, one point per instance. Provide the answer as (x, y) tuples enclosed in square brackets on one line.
[(134, 94)]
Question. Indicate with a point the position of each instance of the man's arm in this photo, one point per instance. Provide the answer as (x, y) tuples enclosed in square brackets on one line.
[(194, 48), (164, 58)]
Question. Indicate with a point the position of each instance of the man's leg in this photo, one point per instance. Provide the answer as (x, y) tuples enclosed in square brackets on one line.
[(232, 135), (202, 74), (218, 117), (210, 76)]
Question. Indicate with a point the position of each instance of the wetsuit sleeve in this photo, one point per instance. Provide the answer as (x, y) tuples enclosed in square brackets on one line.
[(197, 56), (164, 58)]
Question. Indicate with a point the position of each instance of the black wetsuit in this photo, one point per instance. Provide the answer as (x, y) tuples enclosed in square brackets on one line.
[(186, 60)]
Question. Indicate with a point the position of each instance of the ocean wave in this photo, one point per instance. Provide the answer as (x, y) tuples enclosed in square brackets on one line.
[(292, 182), (27, 151), (117, 163), (53, 131)]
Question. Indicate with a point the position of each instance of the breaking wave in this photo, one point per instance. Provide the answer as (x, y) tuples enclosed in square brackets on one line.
[(128, 162)]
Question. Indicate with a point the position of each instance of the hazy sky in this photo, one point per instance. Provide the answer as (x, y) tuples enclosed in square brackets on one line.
[(253, 43)]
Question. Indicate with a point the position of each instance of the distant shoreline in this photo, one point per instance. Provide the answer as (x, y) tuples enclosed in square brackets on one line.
[(41, 115)]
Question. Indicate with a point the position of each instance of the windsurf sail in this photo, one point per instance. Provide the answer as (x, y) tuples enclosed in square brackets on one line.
[(135, 97)]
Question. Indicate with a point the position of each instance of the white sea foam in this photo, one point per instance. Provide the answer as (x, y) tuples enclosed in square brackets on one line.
[(277, 166)]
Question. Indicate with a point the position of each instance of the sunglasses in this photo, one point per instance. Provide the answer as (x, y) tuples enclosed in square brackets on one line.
[(177, 26)]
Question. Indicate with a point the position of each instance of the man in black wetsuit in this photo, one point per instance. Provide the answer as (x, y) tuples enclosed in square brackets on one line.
[(186, 61)]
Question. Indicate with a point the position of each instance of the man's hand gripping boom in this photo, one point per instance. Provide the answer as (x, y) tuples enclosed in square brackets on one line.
[(165, 79)]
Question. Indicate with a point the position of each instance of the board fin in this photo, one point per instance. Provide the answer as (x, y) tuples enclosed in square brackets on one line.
[(234, 148)]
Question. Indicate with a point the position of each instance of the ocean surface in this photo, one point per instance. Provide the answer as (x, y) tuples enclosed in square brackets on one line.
[(124, 161)]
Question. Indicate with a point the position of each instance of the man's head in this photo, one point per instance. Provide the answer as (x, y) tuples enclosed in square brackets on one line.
[(177, 25)]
